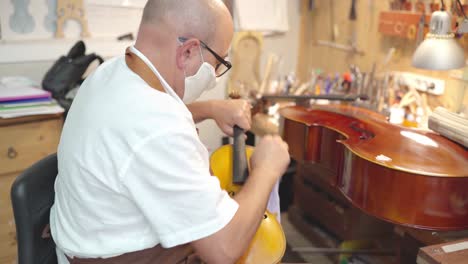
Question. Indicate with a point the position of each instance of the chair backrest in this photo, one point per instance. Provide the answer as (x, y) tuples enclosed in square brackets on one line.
[(32, 196)]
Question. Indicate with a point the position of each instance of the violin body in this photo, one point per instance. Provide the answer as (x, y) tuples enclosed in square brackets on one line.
[(269, 243), (405, 176)]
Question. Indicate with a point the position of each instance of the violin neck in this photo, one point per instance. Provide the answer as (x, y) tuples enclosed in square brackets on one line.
[(239, 166)]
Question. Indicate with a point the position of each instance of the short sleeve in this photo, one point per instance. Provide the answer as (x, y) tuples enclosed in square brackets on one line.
[(168, 179)]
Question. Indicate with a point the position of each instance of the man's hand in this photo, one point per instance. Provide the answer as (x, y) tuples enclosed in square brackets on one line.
[(271, 156), (227, 113), (269, 162)]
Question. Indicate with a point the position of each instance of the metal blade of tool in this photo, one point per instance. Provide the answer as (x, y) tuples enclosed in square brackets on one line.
[(421, 24), (352, 11), (352, 20), (333, 27)]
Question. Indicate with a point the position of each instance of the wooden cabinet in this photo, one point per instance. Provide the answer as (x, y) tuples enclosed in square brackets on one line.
[(7, 223), (23, 141), (318, 200)]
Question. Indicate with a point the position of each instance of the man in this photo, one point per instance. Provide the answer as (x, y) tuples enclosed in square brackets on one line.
[(133, 176)]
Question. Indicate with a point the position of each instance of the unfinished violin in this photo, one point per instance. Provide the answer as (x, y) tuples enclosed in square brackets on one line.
[(229, 163), (406, 176)]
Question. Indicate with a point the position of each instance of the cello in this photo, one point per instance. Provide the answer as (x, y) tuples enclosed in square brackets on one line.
[(229, 164), (404, 176)]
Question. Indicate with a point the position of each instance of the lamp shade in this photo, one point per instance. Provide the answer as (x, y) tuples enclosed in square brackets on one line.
[(440, 50)]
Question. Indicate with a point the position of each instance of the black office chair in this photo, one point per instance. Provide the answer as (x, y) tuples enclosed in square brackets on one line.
[(32, 196)]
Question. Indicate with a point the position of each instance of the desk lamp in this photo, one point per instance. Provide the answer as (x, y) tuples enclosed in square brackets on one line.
[(440, 50)]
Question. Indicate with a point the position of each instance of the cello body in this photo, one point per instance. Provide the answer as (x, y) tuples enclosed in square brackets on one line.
[(404, 176), (269, 242)]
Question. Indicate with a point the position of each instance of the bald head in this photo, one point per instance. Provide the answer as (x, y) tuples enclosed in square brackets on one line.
[(189, 18), (164, 21)]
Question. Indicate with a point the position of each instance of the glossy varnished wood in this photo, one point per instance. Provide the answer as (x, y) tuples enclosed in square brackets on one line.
[(406, 176), (28, 119), (269, 242)]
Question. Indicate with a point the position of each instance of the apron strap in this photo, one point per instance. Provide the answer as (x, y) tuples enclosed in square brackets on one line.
[(139, 67), (183, 254)]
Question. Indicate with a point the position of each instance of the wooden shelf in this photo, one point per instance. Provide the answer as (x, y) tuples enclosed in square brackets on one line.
[(27, 119)]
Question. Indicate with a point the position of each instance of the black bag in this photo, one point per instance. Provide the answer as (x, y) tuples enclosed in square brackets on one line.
[(67, 71)]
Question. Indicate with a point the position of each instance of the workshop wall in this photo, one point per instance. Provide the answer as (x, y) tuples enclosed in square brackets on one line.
[(285, 45), (316, 25)]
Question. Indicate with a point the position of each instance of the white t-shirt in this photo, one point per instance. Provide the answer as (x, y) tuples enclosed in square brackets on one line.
[(132, 171)]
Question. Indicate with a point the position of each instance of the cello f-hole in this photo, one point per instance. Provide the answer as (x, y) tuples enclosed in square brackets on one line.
[(365, 134)]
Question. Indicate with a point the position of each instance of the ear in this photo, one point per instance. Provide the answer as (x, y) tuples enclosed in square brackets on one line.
[(186, 52)]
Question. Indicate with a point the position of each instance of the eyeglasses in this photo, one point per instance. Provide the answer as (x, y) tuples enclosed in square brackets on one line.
[(222, 66)]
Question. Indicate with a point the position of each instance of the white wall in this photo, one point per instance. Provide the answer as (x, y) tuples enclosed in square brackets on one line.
[(33, 70), (285, 45)]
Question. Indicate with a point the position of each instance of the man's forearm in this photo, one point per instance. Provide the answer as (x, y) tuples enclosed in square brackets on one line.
[(252, 200), (201, 110), (228, 244)]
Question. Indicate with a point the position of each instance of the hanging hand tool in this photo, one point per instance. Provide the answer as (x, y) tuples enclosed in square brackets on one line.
[(352, 19), (333, 26), (352, 48), (421, 24), (311, 5), (352, 11), (349, 48)]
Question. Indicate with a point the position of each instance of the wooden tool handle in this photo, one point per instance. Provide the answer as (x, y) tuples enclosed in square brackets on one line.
[(239, 166)]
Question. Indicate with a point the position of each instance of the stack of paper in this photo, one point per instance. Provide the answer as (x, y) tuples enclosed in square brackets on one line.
[(19, 97), (449, 125)]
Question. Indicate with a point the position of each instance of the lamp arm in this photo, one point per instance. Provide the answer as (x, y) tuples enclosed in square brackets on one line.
[(461, 9)]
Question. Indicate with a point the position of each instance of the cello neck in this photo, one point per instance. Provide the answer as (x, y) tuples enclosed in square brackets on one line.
[(239, 165)]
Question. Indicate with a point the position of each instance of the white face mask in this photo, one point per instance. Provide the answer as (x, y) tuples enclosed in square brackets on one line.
[(203, 80)]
